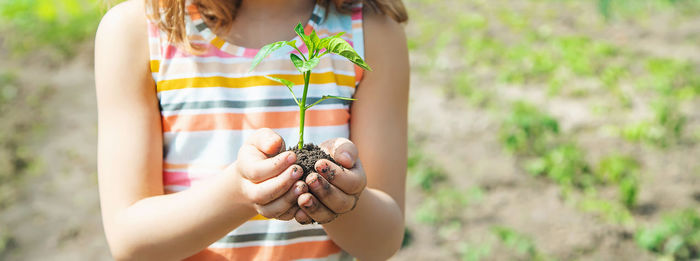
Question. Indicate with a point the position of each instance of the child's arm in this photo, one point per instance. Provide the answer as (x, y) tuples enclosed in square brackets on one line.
[(140, 222), (374, 229)]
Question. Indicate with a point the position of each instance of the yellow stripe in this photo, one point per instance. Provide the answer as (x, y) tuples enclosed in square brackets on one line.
[(252, 81), (259, 217), (218, 42), (155, 66)]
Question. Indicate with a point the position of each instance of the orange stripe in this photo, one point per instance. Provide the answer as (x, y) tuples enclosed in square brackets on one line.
[(315, 249), (254, 120), (193, 12), (359, 72), (253, 81), (193, 166)]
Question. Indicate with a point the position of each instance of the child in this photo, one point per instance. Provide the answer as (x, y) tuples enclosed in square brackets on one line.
[(190, 142)]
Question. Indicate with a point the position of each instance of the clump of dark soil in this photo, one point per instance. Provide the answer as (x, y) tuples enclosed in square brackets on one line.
[(307, 157)]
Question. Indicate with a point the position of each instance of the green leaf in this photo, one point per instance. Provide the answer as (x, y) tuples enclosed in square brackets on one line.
[(315, 42), (292, 43), (323, 44), (298, 62), (343, 48), (310, 64), (338, 97), (287, 83), (300, 31), (265, 51), (326, 97)]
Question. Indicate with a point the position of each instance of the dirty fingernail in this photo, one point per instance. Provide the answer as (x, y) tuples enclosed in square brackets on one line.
[(309, 203), (296, 172), (299, 190), (291, 158), (314, 183)]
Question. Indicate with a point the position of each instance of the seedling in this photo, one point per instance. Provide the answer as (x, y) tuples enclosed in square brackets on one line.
[(317, 48)]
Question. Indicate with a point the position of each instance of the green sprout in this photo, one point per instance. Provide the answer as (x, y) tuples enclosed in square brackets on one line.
[(317, 47)]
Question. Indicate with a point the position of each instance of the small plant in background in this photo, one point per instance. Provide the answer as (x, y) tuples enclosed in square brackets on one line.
[(623, 172), (445, 205), (612, 211), (522, 244), (422, 172), (475, 251), (665, 129), (677, 236), (317, 48), (528, 131), (8, 87), (565, 165)]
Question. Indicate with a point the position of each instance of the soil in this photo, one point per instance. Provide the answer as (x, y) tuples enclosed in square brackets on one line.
[(307, 157)]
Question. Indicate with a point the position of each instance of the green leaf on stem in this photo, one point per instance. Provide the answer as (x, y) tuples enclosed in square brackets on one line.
[(315, 42), (298, 62), (310, 64), (300, 31), (326, 97), (265, 51), (343, 48), (323, 44), (339, 97), (287, 83)]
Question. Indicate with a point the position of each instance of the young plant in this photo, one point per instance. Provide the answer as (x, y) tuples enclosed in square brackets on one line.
[(676, 237), (317, 48)]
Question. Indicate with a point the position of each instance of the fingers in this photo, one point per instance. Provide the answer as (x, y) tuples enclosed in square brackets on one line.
[(265, 192), (301, 217), (289, 214), (332, 197), (315, 209), (266, 141), (283, 204), (341, 150), (351, 181), (259, 170)]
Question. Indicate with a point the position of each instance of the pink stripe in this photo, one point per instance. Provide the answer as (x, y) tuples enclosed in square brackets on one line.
[(250, 53), (153, 30), (176, 178), (356, 14)]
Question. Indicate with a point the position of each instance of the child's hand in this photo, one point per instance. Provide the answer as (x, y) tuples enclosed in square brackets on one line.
[(336, 190), (270, 182)]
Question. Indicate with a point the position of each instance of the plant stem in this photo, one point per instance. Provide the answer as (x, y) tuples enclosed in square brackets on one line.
[(302, 109)]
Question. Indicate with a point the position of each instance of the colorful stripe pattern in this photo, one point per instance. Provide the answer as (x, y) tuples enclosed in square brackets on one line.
[(210, 103)]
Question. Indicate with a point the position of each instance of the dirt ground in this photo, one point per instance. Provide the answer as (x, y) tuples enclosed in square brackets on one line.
[(54, 213)]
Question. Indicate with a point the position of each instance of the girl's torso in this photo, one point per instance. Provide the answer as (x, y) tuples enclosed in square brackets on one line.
[(210, 103)]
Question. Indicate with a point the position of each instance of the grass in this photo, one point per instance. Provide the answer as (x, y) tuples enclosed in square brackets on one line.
[(446, 205), (29, 25), (523, 244), (677, 236), (490, 49), (22, 123), (534, 137), (624, 172), (528, 131)]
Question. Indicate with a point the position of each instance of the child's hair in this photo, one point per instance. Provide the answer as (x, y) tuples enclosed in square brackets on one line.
[(220, 14)]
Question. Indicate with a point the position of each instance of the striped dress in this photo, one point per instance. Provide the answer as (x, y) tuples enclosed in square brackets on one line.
[(210, 103)]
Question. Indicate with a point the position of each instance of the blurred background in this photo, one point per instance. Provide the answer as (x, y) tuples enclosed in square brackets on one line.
[(539, 130)]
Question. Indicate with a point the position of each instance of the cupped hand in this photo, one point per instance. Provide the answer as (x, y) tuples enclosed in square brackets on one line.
[(334, 189), (269, 180)]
